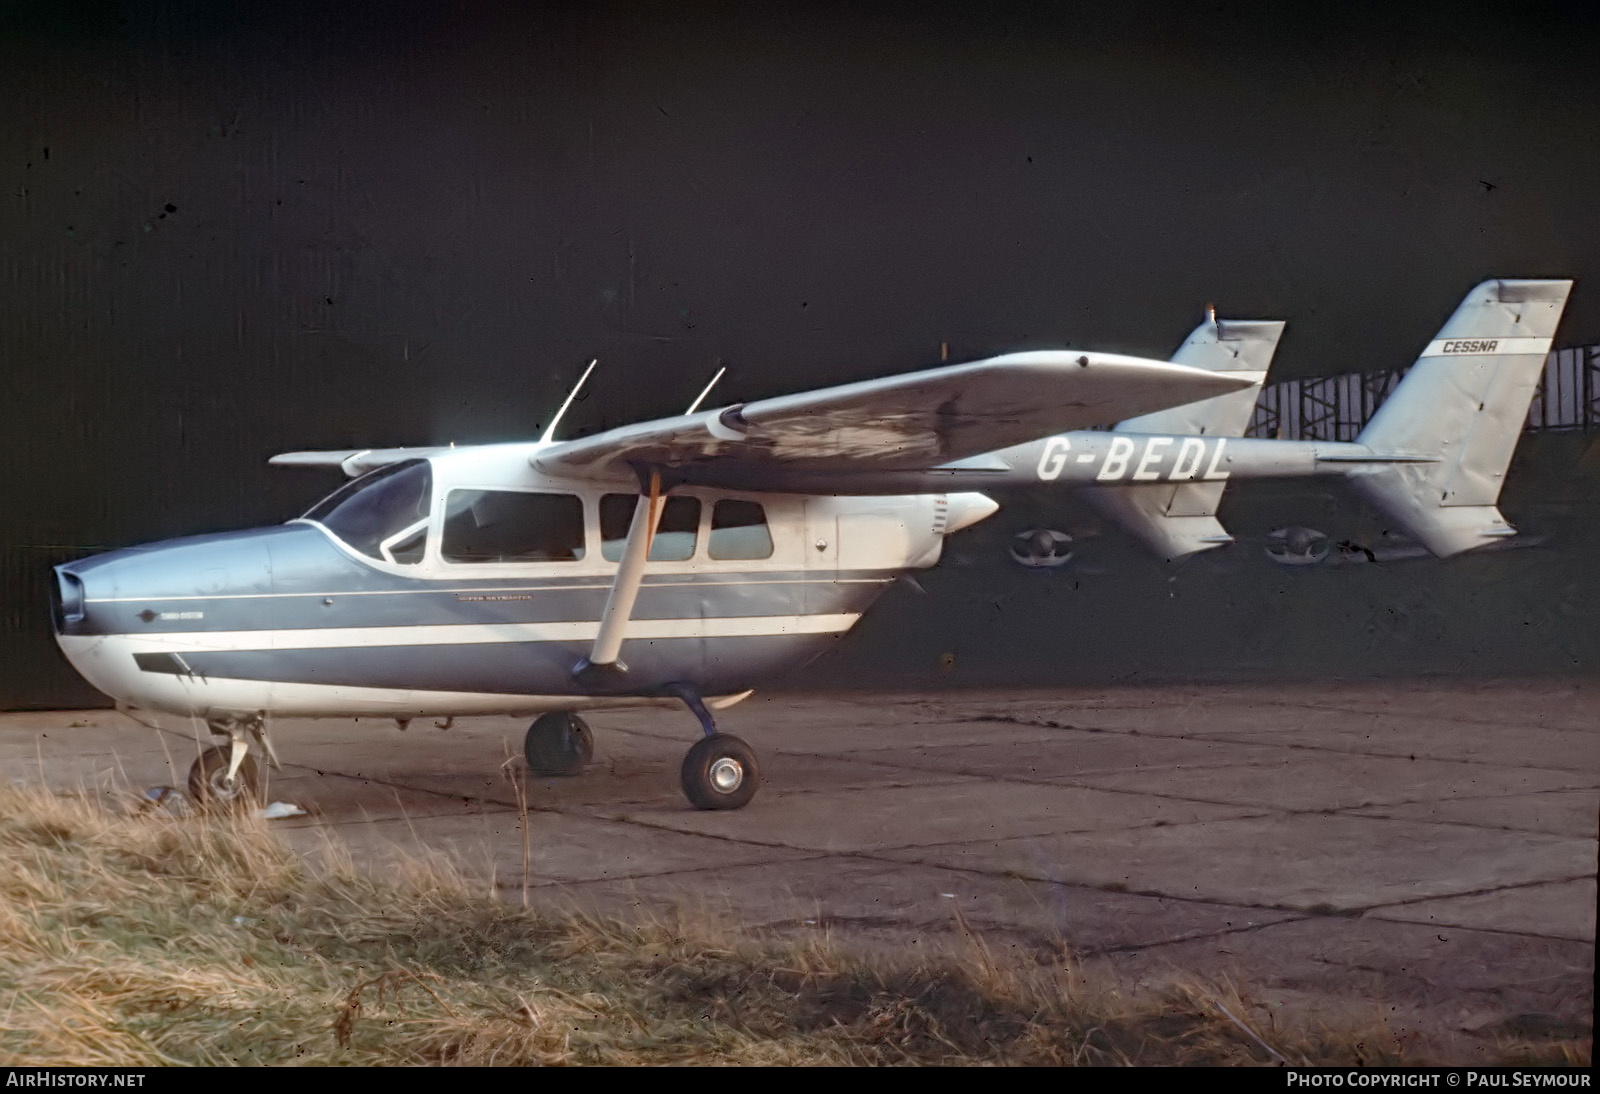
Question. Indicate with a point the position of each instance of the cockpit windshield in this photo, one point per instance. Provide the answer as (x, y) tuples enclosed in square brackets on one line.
[(383, 514)]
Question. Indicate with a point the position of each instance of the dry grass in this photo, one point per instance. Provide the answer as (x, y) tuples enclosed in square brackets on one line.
[(158, 940)]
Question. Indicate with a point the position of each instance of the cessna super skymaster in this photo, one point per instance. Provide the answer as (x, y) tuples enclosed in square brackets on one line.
[(690, 558)]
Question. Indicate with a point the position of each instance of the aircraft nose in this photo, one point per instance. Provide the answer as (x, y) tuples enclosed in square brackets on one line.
[(111, 609)]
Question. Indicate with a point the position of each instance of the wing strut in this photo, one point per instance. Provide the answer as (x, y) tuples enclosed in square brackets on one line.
[(603, 667)]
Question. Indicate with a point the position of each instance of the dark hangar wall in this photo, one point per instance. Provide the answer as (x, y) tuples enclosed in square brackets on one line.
[(225, 234), (1112, 614)]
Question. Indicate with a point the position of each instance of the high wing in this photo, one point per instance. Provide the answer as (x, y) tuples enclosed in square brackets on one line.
[(916, 421)]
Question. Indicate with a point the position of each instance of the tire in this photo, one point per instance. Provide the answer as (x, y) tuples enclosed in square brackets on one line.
[(720, 772), (207, 788), (558, 745)]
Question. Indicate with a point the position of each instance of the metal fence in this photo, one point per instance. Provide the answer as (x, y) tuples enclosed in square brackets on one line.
[(1335, 408)]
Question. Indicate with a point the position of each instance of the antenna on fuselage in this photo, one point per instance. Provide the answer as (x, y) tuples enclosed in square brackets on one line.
[(549, 434), (702, 397)]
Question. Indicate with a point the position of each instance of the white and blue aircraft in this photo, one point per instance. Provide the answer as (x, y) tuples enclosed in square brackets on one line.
[(689, 559)]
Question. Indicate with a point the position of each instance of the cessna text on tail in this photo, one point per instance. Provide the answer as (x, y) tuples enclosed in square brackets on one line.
[(688, 559)]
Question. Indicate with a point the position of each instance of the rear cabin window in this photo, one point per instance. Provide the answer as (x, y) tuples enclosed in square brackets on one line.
[(383, 514), (739, 530), (676, 531), (511, 526)]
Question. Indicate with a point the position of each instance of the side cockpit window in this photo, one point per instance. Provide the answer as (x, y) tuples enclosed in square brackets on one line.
[(676, 529), (739, 530), (384, 514), (512, 526)]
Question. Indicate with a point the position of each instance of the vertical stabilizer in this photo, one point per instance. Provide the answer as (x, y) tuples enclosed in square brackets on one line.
[(1459, 412), (1239, 346), (1177, 520)]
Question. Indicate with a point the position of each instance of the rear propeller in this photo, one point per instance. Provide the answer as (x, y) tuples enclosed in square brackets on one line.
[(1041, 548), (1297, 546)]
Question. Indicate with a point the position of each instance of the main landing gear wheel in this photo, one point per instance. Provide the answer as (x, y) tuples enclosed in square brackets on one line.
[(210, 787), (558, 744), (720, 772)]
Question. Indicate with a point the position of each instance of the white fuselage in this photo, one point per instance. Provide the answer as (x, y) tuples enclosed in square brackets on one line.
[(481, 589)]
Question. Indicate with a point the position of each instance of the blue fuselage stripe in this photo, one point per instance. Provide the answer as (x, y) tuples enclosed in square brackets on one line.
[(509, 668), (489, 604)]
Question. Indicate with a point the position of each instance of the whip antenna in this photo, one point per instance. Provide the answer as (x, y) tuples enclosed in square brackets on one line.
[(696, 404), (549, 434)]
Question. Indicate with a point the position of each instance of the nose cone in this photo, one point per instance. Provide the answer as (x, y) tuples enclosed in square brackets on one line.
[(967, 510), (68, 613), (66, 600)]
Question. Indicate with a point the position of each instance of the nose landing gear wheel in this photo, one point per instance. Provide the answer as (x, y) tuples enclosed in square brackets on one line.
[(720, 772), (558, 744), (210, 787)]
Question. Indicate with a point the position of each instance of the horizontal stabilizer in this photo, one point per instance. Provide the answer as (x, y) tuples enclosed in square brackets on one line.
[(354, 461)]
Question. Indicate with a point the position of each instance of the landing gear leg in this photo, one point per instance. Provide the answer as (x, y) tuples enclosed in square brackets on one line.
[(257, 725), (720, 771), (225, 776)]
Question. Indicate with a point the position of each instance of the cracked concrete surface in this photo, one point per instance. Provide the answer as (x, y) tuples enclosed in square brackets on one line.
[(1424, 851)]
